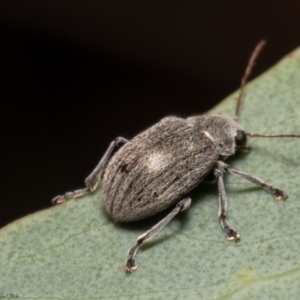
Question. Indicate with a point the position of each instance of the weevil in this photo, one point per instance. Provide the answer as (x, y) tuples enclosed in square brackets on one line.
[(159, 167)]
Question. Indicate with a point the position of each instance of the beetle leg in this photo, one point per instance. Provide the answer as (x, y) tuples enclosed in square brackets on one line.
[(277, 193), (181, 206), (69, 195), (232, 235), (95, 177)]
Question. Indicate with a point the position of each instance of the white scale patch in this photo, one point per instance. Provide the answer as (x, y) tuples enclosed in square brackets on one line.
[(158, 161)]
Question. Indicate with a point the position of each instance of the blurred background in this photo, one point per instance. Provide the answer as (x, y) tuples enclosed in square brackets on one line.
[(75, 75)]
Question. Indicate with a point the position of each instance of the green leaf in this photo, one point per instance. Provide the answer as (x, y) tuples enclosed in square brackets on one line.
[(74, 251)]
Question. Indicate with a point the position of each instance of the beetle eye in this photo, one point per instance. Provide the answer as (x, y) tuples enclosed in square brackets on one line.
[(240, 138)]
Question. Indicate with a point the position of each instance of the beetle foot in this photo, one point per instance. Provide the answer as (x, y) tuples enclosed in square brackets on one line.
[(279, 194), (130, 265), (233, 236), (58, 200), (62, 198)]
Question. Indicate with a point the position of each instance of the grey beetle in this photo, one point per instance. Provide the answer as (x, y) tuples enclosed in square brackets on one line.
[(158, 167)]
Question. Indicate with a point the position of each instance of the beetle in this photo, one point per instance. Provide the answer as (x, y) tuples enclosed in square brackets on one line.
[(160, 166)]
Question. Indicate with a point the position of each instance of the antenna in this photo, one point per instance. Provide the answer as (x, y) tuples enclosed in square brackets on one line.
[(247, 73), (244, 79), (272, 135)]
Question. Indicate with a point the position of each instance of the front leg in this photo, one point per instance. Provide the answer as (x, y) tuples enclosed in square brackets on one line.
[(95, 177), (232, 235), (277, 193), (218, 172)]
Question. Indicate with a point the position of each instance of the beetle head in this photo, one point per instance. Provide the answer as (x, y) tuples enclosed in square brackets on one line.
[(224, 132)]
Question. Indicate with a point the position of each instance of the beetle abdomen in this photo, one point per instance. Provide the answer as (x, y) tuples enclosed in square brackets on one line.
[(145, 178)]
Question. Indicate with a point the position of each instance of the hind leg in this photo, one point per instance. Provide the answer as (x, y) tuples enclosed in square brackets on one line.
[(95, 177), (130, 263)]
